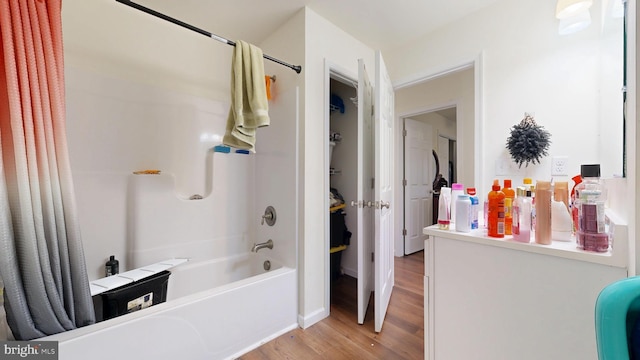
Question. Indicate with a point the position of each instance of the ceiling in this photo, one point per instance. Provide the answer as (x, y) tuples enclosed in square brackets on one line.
[(380, 24)]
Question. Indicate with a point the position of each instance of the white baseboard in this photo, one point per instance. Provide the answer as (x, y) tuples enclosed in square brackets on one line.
[(351, 272), (263, 341), (306, 321)]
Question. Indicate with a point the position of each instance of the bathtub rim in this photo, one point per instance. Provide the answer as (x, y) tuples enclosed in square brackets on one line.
[(79, 333)]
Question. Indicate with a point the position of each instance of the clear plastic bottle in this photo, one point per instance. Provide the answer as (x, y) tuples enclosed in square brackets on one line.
[(463, 213), (590, 198), (444, 203), (456, 190), (522, 215)]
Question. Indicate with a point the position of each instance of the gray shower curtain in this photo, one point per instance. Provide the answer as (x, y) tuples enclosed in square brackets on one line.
[(41, 256)]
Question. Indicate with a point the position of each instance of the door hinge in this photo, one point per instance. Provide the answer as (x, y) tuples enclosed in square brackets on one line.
[(373, 183), (404, 182), (404, 133), (372, 257), (404, 232), (373, 110)]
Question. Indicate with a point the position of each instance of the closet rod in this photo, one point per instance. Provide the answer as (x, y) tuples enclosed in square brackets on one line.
[(296, 68)]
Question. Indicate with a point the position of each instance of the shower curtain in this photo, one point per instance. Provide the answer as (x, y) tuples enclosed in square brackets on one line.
[(41, 255)]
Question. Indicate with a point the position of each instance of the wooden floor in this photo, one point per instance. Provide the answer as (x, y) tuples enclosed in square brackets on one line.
[(340, 337)]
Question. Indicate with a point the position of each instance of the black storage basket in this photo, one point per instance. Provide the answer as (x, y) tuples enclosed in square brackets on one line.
[(131, 297)]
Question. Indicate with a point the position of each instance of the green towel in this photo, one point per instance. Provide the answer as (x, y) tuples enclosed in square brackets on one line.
[(249, 105)]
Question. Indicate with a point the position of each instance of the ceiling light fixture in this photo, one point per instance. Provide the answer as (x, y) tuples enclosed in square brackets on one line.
[(574, 23), (569, 8)]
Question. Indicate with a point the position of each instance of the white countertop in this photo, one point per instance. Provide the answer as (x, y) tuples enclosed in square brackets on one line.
[(565, 249)]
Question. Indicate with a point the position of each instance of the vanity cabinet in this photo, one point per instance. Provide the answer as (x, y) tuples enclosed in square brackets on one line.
[(493, 299)]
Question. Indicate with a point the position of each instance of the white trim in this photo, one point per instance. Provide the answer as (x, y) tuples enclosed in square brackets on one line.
[(478, 93), (325, 190), (331, 70), (632, 136), (475, 63), (263, 341), (429, 109), (434, 74), (314, 317)]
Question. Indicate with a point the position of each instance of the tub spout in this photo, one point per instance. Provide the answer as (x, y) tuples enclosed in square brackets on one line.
[(268, 244)]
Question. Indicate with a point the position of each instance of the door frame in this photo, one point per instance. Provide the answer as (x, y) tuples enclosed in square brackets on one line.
[(398, 194), (401, 249), (331, 70)]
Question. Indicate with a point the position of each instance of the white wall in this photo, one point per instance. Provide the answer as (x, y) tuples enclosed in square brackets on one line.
[(324, 41), (116, 126), (441, 125), (114, 39), (145, 94), (453, 89), (528, 67)]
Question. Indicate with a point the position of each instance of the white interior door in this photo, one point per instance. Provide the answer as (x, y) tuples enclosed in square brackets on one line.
[(365, 191), (418, 192), (383, 189)]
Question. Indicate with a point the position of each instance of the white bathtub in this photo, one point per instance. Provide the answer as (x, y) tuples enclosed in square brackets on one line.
[(215, 309)]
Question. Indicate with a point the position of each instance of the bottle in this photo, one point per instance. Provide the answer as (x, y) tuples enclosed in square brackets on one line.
[(475, 207), (591, 196), (560, 221), (543, 213), (509, 197), (574, 202), (463, 213), (456, 190), (522, 215), (561, 192), (112, 266), (495, 217), (528, 185), (444, 202)]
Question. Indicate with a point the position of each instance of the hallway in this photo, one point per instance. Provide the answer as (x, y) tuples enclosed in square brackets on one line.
[(340, 337)]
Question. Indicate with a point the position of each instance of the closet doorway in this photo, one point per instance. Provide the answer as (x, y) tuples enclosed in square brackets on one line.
[(344, 227)]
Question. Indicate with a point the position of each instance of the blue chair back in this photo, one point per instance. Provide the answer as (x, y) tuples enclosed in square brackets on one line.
[(617, 325)]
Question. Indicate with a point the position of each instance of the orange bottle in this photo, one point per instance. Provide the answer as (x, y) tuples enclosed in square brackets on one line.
[(496, 211), (509, 198)]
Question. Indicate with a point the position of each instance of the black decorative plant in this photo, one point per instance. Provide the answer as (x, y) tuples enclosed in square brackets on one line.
[(528, 142)]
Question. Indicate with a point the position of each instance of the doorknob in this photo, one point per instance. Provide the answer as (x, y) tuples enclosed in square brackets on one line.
[(358, 203), (383, 205), (370, 204)]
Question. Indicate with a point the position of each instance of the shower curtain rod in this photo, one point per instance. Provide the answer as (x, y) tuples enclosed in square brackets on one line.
[(296, 68)]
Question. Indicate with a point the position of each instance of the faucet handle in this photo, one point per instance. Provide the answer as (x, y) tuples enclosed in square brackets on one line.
[(269, 216)]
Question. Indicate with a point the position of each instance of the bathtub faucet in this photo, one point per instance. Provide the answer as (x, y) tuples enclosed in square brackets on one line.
[(268, 244)]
